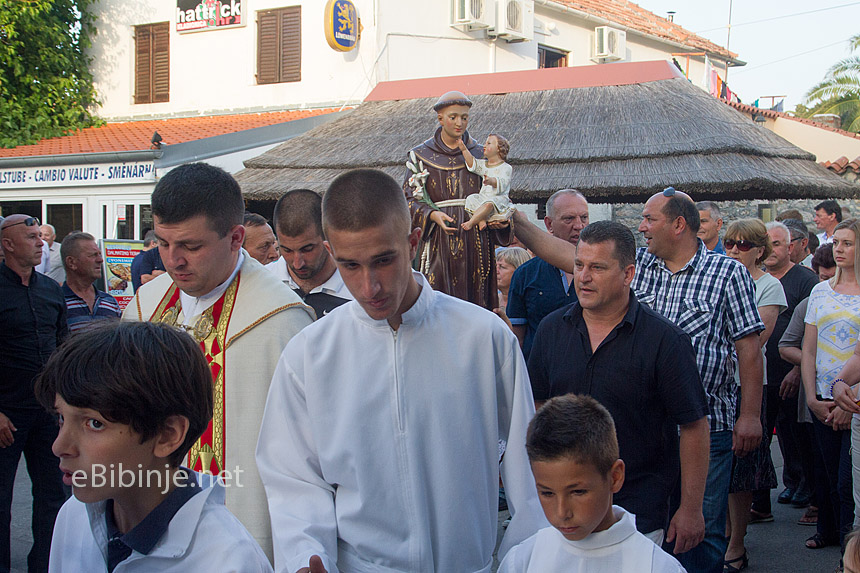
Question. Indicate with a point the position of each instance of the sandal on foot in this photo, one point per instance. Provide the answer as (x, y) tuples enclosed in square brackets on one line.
[(760, 517), (817, 542), (742, 563), (809, 517)]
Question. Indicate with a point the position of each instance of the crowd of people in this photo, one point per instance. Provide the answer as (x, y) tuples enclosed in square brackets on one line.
[(299, 395)]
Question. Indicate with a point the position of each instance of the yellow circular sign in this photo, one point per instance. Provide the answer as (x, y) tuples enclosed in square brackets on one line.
[(341, 25)]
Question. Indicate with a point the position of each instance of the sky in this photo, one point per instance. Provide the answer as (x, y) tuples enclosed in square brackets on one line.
[(784, 55)]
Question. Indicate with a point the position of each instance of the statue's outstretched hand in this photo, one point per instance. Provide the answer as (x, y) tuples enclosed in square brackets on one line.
[(441, 219)]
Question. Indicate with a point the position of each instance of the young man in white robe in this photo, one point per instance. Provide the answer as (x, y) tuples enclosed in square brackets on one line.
[(241, 315), (379, 444)]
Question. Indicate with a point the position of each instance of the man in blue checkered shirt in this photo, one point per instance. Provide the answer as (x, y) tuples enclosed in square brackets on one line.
[(712, 298)]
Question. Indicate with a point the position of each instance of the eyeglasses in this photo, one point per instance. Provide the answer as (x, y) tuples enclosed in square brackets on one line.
[(743, 246), (29, 221), (669, 192)]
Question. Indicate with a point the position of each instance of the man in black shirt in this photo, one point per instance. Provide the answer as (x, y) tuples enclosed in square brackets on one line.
[(33, 323), (642, 368)]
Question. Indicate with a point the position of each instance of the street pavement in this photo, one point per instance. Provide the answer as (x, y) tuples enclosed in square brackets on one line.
[(775, 547)]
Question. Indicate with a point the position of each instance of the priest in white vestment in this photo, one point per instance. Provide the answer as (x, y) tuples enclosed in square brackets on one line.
[(241, 315), (379, 443)]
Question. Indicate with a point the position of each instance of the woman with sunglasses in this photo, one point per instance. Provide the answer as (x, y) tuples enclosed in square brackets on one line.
[(832, 327), (747, 241)]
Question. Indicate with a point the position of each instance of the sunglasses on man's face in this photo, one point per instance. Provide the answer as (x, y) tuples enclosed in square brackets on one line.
[(29, 222), (743, 246)]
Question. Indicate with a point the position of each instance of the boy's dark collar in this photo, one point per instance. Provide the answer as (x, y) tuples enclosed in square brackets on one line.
[(145, 535)]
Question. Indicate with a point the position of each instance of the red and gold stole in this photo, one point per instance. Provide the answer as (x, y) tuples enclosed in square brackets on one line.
[(210, 330)]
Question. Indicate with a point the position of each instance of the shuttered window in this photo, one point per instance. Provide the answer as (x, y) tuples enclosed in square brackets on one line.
[(152, 63), (279, 45)]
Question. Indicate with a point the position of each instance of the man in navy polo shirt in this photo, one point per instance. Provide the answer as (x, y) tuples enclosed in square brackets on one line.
[(642, 368), (538, 288), (82, 260)]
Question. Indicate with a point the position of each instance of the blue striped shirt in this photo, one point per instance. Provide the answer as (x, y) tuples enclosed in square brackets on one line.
[(78, 312), (712, 298)]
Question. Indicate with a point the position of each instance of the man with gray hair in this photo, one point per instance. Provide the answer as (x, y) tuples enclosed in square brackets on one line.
[(783, 378), (55, 267), (799, 240), (83, 260), (710, 223), (537, 287)]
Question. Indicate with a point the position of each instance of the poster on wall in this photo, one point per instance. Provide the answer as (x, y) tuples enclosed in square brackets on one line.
[(116, 270), (202, 15)]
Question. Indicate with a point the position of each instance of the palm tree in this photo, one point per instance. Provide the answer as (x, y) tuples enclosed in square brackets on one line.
[(839, 91)]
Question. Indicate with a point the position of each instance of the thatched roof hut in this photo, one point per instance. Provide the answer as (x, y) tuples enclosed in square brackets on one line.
[(617, 132)]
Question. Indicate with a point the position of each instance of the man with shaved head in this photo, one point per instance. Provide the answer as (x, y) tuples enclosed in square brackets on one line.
[(379, 447), (455, 261), (33, 323)]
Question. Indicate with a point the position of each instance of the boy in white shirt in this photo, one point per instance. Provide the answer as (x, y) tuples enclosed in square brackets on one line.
[(573, 452), (132, 398)]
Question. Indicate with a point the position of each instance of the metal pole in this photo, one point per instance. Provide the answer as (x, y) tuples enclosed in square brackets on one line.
[(728, 40)]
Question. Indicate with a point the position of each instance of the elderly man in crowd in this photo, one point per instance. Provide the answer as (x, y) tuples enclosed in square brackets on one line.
[(710, 223), (56, 270), (83, 260), (537, 287), (33, 323), (260, 240), (783, 378)]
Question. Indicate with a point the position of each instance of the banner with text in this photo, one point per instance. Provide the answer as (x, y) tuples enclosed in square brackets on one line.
[(78, 175), (201, 15)]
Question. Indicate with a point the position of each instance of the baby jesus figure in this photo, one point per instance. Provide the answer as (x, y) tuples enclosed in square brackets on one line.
[(491, 203)]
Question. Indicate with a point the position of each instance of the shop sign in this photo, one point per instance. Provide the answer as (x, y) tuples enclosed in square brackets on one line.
[(341, 25), (117, 255), (78, 175), (202, 15)]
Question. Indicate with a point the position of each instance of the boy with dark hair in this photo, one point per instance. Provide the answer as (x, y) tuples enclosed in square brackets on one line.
[(132, 398), (573, 452)]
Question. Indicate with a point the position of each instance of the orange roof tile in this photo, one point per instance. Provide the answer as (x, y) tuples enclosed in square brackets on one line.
[(637, 18), (136, 135), (771, 114), (842, 164)]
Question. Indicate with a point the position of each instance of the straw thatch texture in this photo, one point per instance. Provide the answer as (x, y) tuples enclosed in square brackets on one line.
[(615, 143)]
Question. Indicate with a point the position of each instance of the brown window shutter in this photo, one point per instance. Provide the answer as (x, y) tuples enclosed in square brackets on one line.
[(291, 44), (142, 65), (152, 63), (161, 62), (267, 47)]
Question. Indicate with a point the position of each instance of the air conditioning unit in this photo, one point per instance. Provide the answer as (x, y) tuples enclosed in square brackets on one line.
[(610, 44), (515, 20), (473, 14)]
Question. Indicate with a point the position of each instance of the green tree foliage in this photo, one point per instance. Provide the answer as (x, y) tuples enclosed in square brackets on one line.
[(839, 91), (46, 88)]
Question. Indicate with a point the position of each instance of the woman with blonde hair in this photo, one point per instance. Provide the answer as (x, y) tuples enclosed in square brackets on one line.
[(832, 328), (508, 259), (747, 241)]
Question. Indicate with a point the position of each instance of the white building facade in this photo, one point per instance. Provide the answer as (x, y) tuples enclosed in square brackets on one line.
[(226, 68)]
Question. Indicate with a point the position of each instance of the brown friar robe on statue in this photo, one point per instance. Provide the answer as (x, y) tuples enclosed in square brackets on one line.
[(462, 264)]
